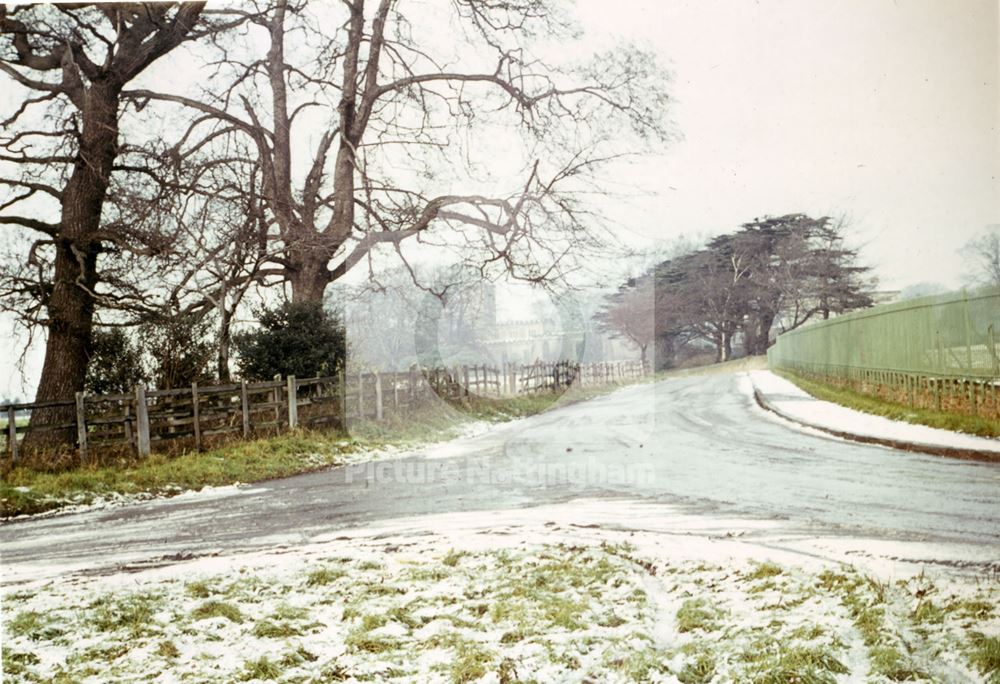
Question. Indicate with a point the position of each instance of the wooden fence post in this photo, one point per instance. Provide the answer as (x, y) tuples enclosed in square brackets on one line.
[(361, 395), (195, 417), (378, 397), (12, 433), (141, 421), (342, 382), (395, 390), (991, 342), (465, 375), (276, 400), (81, 427), (245, 408), (293, 403), (127, 424)]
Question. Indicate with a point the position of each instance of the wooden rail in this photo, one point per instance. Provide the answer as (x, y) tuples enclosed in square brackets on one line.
[(137, 420)]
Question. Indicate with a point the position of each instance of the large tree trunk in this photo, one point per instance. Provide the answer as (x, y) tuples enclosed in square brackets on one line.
[(764, 333), (308, 258), (749, 336), (72, 302), (726, 347), (756, 333), (309, 279), (225, 338), (664, 352)]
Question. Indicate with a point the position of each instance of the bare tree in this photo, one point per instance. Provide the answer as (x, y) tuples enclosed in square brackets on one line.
[(221, 250), (76, 59), (630, 313), (984, 252), (388, 116), (391, 321)]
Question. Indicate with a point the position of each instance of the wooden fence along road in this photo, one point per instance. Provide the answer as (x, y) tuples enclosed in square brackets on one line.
[(142, 419)]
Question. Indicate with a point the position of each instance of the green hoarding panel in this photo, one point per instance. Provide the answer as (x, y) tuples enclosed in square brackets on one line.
[(954, 335)]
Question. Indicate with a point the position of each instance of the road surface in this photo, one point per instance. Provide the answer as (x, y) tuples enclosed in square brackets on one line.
[(695, 444)]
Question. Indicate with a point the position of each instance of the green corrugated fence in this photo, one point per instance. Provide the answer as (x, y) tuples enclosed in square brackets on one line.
[(943, 344)]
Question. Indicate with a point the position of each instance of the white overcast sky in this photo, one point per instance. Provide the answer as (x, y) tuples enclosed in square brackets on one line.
[(884, 111)]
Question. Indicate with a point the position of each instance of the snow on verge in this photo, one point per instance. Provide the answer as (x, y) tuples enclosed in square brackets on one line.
[(554, 598), (795, 403)]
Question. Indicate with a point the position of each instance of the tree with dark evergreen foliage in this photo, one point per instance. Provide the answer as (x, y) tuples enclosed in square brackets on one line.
[(301, 339), (115, 364), (772, 275)]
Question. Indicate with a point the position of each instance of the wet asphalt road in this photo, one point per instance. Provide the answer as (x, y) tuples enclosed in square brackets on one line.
[(697, 442)]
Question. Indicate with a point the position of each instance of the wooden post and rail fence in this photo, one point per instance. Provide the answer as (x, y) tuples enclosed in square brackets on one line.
[(144, 419)]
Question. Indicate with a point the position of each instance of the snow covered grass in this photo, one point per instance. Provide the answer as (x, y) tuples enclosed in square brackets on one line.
[(500, 612), (845, 396)]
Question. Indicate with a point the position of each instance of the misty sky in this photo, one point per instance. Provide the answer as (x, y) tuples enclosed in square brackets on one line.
[(883, 111)]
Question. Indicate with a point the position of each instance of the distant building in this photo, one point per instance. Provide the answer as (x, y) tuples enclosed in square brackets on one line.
[(533, 340)]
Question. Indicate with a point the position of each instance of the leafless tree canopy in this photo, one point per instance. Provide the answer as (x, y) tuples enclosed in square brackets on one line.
[(72, 62), (628, 313), (293, 143), (372, 124), (983, 253)]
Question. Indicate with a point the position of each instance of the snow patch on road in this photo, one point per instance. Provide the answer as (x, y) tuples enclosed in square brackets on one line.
[(459, 444), (90, 503)]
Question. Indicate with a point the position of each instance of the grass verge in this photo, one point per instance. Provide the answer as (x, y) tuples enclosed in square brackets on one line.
[(25, 490), (973, 425)]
